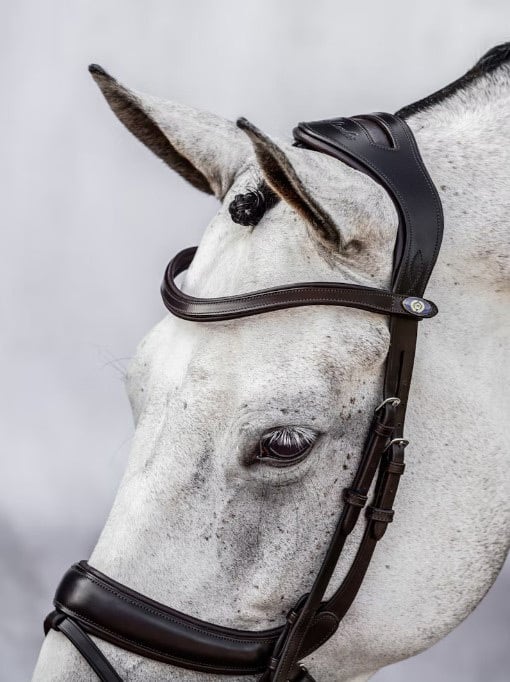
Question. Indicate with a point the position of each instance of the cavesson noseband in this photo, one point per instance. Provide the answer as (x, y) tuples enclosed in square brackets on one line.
[(87, 602)]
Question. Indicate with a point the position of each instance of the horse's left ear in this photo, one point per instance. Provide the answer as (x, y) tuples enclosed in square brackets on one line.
[(285, 182), (204, 149)]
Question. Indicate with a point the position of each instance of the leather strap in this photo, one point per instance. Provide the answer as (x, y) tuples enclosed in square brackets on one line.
[(85, 645), (379, 514), (382, 146), (354, 498), (278, 298)]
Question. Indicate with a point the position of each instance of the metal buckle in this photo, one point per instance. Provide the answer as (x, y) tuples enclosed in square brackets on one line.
[(393, 400), (398, 441)]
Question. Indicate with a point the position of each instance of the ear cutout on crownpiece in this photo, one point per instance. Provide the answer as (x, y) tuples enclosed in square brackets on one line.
[(283, 179)]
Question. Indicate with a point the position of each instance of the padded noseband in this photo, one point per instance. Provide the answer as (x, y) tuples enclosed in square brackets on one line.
[(88, 602)]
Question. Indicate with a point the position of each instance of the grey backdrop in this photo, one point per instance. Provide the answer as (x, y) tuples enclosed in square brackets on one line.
[(91, 218)]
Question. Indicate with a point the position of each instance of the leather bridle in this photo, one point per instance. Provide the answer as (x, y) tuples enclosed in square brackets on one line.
[(87, 602)]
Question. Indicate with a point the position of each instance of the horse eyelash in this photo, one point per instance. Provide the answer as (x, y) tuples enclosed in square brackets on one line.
[(292, 436)]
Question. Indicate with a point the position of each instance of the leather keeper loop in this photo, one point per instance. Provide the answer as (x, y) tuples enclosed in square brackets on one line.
[(273, 662), (395, 468), (354, 498), (384, 430), (52, 621), (292, 617), (377, 514)]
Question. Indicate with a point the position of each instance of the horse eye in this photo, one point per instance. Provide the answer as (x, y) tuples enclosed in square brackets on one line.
[(286, 445)]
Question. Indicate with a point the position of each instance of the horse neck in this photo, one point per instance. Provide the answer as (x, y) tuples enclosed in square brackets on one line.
[(465, 143)]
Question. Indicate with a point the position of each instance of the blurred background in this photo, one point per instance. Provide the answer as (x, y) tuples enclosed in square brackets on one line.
[(91, 219)]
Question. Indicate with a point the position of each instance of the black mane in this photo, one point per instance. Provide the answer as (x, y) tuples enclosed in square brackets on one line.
[(490, 61)]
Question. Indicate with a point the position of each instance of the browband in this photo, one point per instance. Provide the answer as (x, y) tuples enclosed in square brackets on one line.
[(88, 602), (289, 296)]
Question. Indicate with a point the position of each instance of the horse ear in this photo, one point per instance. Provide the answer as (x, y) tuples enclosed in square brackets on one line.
[(204, 149), (283, 179)]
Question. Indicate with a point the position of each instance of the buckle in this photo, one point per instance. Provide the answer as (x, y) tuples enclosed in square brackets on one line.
[(388, 401), (397, 441)]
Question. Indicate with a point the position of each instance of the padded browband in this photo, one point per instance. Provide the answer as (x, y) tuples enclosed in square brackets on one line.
[(88, 602)]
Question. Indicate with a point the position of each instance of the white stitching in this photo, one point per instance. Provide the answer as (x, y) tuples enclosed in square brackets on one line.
[(162, 614)]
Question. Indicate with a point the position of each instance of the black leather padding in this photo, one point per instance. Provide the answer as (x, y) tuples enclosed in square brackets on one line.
[(103, 607), (128, 619), (397, 165)]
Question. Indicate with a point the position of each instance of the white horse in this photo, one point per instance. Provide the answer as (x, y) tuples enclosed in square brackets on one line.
[(198, 514)]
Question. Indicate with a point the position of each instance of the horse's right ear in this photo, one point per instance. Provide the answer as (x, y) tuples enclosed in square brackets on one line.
[(204, 149)]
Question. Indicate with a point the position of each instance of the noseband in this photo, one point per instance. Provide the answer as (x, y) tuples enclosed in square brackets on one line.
[(87, 602)]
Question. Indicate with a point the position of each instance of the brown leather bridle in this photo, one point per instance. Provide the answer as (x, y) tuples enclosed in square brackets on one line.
[(87, 602)]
